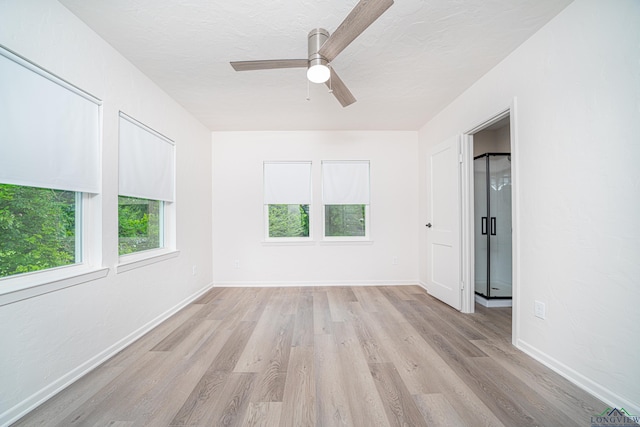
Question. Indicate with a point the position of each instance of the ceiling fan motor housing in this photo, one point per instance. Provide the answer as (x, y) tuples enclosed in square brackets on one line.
[(316, 39)]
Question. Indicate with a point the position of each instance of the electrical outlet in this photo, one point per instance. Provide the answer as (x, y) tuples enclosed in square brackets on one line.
[(539, 309), (236, 263), (394, 260), (194, 270)]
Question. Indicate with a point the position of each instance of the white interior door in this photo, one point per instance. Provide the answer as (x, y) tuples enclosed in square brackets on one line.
[(443, 233)]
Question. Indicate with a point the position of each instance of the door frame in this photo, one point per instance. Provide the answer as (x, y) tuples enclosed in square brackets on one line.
[(467, 229)]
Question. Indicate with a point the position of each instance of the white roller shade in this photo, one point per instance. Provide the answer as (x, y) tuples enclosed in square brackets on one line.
[(49, 129), (287, 183), (146, 162), (345, 182)]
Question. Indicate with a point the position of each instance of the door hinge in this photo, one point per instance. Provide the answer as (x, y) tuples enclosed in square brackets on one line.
[(460, 158), (462, 286)]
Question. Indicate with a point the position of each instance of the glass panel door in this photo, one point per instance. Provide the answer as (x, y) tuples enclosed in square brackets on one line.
[(480, 224), (499, 226)]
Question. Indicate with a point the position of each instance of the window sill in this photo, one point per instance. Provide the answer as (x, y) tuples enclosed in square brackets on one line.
[(142, 259), (346, 242), (30, 285), (288, 243)]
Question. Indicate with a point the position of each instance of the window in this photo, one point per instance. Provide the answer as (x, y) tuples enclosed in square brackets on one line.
[(345, 220), (146, 187), (40, 229), (139, 225), (345, 196), (49, 166), (287, 199)]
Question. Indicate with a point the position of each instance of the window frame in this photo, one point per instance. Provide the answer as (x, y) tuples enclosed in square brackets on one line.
[(367, 219), (167, 214), (88, 265), (288, 240), (161, 231), (151, 256), (28, 285)]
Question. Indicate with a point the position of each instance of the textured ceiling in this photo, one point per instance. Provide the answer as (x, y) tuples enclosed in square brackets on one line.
[(408, 65)]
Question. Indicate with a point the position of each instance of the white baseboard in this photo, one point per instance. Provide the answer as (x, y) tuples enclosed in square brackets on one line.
[(29, 404), (609, 397), (266, 284)]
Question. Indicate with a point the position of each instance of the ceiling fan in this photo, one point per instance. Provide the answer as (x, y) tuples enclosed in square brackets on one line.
[(323, 48)]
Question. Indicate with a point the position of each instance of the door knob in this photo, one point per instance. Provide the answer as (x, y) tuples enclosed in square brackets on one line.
[(428, 225)]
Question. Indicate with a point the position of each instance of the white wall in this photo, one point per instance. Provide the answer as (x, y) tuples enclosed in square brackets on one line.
[(238, 224), (577, 84), (49, 340)]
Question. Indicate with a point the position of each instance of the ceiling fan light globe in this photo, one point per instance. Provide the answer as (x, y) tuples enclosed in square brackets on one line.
[(318, 73)]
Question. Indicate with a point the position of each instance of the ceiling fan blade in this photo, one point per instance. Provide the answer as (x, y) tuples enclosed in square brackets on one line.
[(269, 64), (360, 17), (340, 90)]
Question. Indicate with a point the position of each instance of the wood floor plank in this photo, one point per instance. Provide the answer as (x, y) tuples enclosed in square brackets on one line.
[(365, 356), (321, 313), (303, 331), (209, 296), (299, 402), (337, 305), (259, 300), (178, 335), (231, 408), (331, 395), (438, 411), (272, 332), (370, 298), (495, 324), (400, 407), (247, 303), (272, 371), (418, 364), (263, 414), (197, 406), (364, 401), (229, 355), (453, 327), (224, 306), (369, 340), (200, 404)]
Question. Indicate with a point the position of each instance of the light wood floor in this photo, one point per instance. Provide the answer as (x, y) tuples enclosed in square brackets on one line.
[(361, 356)]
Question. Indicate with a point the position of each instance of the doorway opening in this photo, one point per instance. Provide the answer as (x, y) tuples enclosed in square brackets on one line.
[(492, 215), (488, 244)]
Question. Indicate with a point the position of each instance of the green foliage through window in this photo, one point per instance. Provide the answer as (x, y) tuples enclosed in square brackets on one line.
[(344, 220), (288, 220), (37, 229), (139, 225)]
